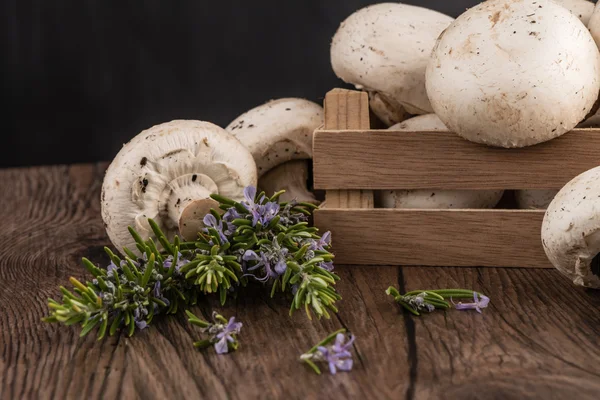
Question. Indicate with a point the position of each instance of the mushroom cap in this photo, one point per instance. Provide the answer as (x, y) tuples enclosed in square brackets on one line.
[(278, 131), (513, 74), (426, 122), (594, 24), (436, 199), (571, 228), (534, 199), (165, 167), (440, 199), (582, 9), (385, 48)]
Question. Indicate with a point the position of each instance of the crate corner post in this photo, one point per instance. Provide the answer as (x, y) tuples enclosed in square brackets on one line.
[(347, 110)]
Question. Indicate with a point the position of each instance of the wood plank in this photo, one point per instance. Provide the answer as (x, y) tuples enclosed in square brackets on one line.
[(537, 339), (490, 238), (372, 159), (347, 109), (530, 343)]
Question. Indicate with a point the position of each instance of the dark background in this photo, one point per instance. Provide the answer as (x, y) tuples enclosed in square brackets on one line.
[(80, 78)]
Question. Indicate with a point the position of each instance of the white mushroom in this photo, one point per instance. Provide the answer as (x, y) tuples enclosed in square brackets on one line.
[(292, 177), (582, 9), (534, 199), (427, 122), (514, 73), (167, 173), (439, 199), (384, 49), (594, 24), (571, 229), (278, 131)]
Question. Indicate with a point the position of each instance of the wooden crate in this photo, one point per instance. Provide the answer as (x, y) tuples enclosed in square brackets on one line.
[(351, 161)]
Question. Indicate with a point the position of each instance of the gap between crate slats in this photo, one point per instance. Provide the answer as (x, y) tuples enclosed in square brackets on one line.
[(379, 159), (491, 238)]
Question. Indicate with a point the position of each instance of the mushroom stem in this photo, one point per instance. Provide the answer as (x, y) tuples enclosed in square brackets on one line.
[(292, 177), (187, 207), (586, 267)]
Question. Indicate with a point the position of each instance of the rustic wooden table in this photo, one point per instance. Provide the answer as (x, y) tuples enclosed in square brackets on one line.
[(540, 337)]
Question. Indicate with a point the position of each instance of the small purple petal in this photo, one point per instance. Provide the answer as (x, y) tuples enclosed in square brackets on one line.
[(345, 364), (141, 324), (280, 267), (221, 346), (210, 220), (332, 367), (250, 194), (250, 255), (111, 267)]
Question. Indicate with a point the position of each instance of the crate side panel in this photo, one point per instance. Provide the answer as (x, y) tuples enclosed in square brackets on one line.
[(487, 238), (377, 159)]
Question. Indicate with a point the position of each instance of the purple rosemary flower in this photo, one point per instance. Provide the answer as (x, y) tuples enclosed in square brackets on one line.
[(228, 217), (327, 265), (320, 244), (111, 267), (477, 304), (224, 334), (138, 317), (180, 262), (251, 206), (262, 261), (210, 221), (337, 355), (158, 294), (267, 212)]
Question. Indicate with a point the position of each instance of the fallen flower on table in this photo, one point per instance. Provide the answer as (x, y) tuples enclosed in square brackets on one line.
[(334, 350), (223, 333), (418, 301), (478, 303)]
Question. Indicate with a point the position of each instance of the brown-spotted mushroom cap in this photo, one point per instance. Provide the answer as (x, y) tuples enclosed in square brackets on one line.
[(167, 173), (384, 49), (594, 24), (582, 9), (278, 131), (514, 73), (436, 199), (571, 229)]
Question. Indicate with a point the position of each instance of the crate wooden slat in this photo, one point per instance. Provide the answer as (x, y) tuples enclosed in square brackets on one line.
[(347, 109), (487, 238), (349, 162), (440, 160)]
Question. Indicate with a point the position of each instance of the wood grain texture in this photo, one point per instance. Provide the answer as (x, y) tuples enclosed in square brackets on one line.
[(374, 159), (486, 238), (347, 109), (537, 339)]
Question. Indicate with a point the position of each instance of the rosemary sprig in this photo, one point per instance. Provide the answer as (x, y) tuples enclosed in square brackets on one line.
[(418, 301), (256, 240)]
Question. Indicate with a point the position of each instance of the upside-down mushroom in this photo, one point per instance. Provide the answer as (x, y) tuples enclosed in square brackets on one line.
[(514, 73), (292, 177), (436, 199), (277, 133), (167, 173), (384, 49), (571, 230)]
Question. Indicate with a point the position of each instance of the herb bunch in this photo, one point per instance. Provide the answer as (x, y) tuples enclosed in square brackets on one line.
[(259, 239)]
